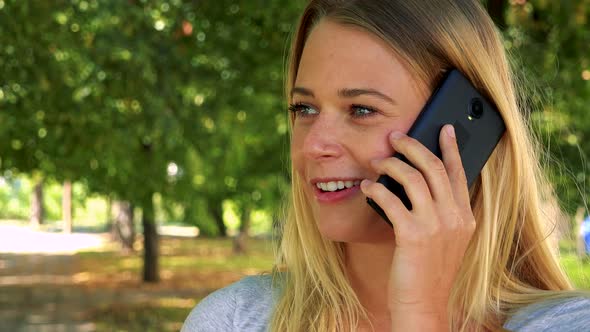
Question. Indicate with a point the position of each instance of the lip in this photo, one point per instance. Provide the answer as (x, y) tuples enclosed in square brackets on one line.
[(336, 196)]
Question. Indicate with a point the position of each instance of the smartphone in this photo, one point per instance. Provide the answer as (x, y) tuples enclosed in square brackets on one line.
[(478, 129)]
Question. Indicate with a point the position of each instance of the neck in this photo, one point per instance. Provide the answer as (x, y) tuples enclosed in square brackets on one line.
[(368, 267)]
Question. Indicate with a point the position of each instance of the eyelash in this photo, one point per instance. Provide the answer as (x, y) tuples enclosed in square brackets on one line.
[(296, 109)]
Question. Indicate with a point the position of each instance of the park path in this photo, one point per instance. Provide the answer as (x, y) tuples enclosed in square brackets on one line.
[(31, 298), (38, 290)]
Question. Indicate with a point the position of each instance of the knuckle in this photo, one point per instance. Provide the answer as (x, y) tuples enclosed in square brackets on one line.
[(459, 174), (414, 177), (392, 202), (379, 188), (389, 165), (470, 227), (404, 140), (454, 221), (405, 143), (436, 165), (384, 193), (434, 230), (454, 225)]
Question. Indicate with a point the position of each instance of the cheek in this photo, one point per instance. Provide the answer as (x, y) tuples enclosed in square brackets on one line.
[(382, 153), (381, 146), (378, 147)]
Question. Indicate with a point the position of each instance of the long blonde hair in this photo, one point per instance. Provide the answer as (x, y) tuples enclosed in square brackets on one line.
[(509, 263)]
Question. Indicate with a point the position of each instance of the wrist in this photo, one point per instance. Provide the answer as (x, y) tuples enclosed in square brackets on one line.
[(419, 322), (427, 319)]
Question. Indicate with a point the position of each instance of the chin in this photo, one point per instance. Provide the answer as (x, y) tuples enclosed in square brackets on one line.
[(349, 229)]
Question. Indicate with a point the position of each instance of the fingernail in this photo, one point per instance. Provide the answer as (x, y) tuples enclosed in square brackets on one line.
[(396, 135), (451, 131), (365, 183)]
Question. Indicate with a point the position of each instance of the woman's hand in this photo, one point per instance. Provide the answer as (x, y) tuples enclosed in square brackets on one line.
[(431, 239)]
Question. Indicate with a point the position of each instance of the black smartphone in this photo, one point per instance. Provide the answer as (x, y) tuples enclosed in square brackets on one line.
[(478, 128)]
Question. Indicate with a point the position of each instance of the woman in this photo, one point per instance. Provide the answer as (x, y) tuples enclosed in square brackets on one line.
[(463, 259)]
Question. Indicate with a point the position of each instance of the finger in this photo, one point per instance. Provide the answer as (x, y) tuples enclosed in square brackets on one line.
[(392, 206), (410, 178), (454, 166), (431, 167)]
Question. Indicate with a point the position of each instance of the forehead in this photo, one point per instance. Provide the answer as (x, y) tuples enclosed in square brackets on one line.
[(337, 55)]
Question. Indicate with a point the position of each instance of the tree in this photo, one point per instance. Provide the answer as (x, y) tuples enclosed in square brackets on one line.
[(67, 206), (497, 10), (37, 210), (550, 41), (114, 94), (122, 224)]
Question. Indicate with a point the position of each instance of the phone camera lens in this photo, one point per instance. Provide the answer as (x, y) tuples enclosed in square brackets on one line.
[(476, 108)]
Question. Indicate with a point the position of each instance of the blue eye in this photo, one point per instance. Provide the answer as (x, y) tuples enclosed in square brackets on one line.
[(357, 111), (301, 110), (360, 111)]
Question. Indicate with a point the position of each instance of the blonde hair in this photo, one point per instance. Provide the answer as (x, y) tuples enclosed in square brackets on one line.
[(509, 263)]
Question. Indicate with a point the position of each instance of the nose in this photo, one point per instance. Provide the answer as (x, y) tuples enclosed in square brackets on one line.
[(323, 139)]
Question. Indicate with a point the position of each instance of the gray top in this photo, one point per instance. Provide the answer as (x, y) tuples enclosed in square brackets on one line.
[(246, 306)]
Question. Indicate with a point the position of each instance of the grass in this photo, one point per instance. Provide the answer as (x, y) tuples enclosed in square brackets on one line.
[(146, 317), (190, 269), (578, 270), (182, 261), (196, 265), (210, 264)]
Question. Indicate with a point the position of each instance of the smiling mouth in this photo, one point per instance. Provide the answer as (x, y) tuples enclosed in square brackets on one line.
[(333, 192), (336, 186)]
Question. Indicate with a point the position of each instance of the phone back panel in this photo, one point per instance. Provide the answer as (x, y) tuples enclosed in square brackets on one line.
[(476, 137)]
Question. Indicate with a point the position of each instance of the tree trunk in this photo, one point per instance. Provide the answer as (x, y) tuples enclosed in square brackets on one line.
[(67, 207), (240, 242), (216, 210), (497, 10), (150, 242), (37, 205), (109, 214), (122, 226)]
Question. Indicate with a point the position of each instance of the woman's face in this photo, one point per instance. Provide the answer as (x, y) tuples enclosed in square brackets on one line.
[(350, 93)]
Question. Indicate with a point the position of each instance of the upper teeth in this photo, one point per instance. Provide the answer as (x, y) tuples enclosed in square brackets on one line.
[(335, 185)]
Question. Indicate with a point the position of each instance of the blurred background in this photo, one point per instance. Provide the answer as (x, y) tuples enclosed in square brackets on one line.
[(144, 149)]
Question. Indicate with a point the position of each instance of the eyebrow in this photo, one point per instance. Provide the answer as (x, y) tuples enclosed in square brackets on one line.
[(346, 93)]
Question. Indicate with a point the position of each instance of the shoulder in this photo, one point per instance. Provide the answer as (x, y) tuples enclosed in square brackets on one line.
[(562, 315), (242, 306)]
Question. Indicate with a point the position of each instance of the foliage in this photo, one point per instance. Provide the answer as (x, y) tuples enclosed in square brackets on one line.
[(14, 198), (550, 40), (140, 97), (89, 211), (185, 98), (577, 269), (181, 102)]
